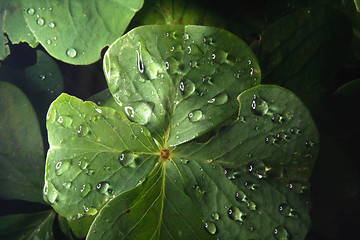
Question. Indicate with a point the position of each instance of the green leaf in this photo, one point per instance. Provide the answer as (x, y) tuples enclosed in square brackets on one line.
[(21, 147), (27, 226), (258, 167), (94, 155), (304, 50), (357, 4), (227, 180), (182, 12), (153, 210), (13, 24), (184, 88), (76, 31)]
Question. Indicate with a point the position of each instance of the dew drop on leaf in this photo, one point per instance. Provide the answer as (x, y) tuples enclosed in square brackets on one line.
[(281, 233), (61, 167), (207, 40), (71, 52), (234, 213), (187, 87), (196, 115), (85, 190), (259, 107), (83, 130), (287, 211), (140, 63), (127, 158), (91, 211), (257, 168), (40, 22), (219, 99), (210, 227), (51, 25), (140, 111), (215, 216), (103, 187), (31, 11)]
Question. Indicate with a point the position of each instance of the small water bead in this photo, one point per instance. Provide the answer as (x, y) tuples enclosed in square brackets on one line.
[(234, 213), (241, 197), (187, 87), (208, 40), (195, 115), (67, 185), (71, 52), (215, 216), (140, 63), (210, 227), (31, 11), (185, 36), (231, 174), (219, 99), (85, 190), (83, 130), (259, 106), (282, 136), (309, 143), (277, 118), (251, 205), (140, 111), (258, 169), (287, 211), (207, 79), (48, 41), (51, 25), (40, 22), (61, 167), (270, 139), (220, 56), (281, 233), (90, 211), (184, 161), (296, 187), (295, 131), (251, 186), (127, 158)]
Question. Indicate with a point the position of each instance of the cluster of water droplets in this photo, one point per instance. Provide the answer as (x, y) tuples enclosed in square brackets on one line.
[(42, 22)]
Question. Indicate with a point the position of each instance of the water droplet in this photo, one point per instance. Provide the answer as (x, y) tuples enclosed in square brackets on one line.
[(82, 130), (270, 139), (40, 22), (282, 136), (103, 187), (172, 65), (207, 79), (241, 197), (251, 228), (287, 211), (210, 227), (207, 40), (295, 131), (140, 111), (259, 107), (61, 167), (140, 63), (231, 174), (185, 36), (193, 49), (281, 233), (71, 52), (257, 168), (277, 118), (251, 205), (251, 186), (219, 99), (67, 185), (196, 115), (219, 56), (198, 189), (296, 187), (85, 190), (215, 216), (234, 213), (48, 41), (30, 11), (187, 87), (51, 25), (127, 158), (309, 143), (91, 211), (184, 161)]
